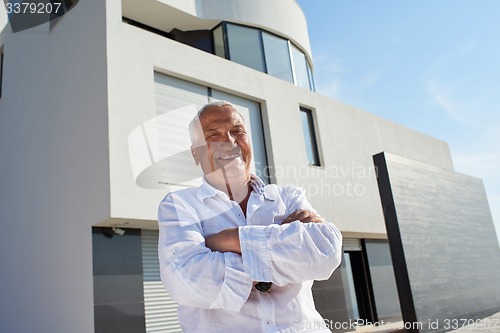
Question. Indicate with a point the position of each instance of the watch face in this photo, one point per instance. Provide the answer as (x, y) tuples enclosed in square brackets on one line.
[(264, 286)]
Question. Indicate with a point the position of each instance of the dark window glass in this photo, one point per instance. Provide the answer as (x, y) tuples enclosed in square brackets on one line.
[(118, 281), (219, 42), (309, 136), (200, 39), (245, 46), (264, 52), (277, 57)]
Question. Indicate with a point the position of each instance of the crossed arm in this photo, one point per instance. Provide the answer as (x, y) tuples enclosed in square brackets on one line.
[(218, 271), (228, 240)]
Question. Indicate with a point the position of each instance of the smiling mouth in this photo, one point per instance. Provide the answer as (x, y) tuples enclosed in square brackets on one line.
[(228, 157)]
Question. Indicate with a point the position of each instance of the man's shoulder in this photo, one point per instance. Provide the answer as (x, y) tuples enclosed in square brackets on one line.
[(183, 194), (284, 190)]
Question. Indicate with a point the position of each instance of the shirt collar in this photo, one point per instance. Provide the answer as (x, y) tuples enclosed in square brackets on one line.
[(258, 186)]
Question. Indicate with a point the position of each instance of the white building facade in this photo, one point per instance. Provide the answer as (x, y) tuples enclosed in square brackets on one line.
[(93, 134)]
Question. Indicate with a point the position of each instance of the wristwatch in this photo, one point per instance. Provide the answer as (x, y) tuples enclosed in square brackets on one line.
[(264, 287)]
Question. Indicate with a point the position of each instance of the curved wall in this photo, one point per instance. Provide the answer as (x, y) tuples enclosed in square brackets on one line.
[(282, 17)]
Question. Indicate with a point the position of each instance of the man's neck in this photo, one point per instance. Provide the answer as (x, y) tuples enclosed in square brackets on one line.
[(237, 188), (238, 193)]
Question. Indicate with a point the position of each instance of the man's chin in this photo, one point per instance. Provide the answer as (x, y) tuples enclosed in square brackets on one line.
[(230, 171)]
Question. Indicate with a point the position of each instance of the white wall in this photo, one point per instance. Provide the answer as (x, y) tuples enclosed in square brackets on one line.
[(3, 18), (54, 181)]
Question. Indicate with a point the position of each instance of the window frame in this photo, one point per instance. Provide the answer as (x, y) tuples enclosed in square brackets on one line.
[(312, 136), (1, 69)]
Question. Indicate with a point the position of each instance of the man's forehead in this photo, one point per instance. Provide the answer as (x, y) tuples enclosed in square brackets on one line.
[(220, 115)]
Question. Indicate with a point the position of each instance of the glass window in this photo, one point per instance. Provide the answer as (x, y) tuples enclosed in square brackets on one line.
[(219, 42), (277, 57), (264, 52), (350, 289), (309, 136), (245, 46), (383, 280), (311, 78), (332, 298), (300, 68)]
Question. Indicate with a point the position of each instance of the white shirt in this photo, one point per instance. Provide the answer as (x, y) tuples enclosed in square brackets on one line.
[(215, 290)]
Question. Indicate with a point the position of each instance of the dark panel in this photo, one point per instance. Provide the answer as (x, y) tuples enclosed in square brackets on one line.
[(446, 238), (109, 289), (393, 233), (118, 281), (364, 292), (116, 255), (119, 318), (200, 39)]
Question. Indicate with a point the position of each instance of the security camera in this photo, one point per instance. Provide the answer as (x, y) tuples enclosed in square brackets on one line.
[(118, 231)]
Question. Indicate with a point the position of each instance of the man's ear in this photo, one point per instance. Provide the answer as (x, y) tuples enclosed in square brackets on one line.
[(194, 153)]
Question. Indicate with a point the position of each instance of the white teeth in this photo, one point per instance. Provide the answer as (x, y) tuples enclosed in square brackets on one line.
[(228, 157)]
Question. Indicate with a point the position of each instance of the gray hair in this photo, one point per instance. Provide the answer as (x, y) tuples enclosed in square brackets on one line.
[(195, 125)]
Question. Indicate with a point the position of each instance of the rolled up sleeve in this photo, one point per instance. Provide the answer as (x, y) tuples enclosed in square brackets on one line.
[(293, 252), (191, 272)]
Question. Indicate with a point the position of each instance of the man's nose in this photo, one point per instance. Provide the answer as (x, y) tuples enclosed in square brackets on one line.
[(228, 138)]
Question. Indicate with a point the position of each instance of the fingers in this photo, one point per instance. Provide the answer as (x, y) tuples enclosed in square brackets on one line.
[(304, 216)]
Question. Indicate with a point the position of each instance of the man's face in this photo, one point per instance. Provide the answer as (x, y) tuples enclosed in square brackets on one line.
[(225, 148)]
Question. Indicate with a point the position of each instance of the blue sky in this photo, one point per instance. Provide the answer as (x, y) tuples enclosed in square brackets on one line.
[(433, 66)]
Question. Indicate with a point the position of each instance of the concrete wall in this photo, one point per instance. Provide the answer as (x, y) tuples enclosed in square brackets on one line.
[(443, 243), (348, 137), (54, 181)]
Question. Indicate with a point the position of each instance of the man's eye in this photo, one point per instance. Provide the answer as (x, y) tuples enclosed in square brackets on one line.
[(212, 135)]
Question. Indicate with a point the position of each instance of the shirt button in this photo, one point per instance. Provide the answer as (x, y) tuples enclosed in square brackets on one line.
[(268, 322)]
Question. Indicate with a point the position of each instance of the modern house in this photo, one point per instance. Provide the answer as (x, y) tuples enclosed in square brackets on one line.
[(94, 110)]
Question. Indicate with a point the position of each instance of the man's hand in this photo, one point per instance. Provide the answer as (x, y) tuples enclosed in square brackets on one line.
[(227, 240), (304, 216)]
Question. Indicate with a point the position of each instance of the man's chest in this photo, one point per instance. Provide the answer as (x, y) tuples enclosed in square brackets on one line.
[(218, 215)]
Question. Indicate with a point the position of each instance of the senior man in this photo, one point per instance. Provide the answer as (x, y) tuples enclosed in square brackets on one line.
[(235, 254)]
